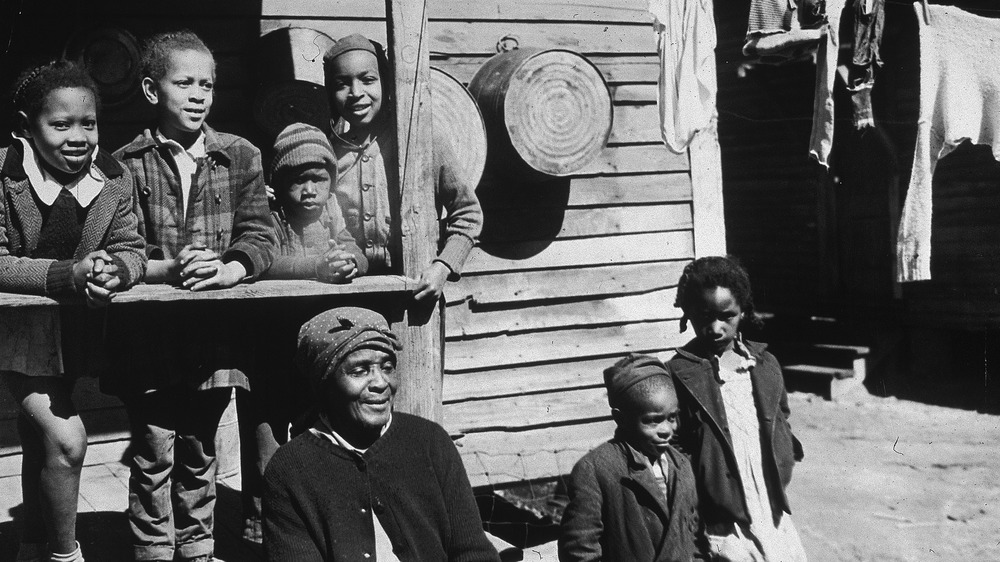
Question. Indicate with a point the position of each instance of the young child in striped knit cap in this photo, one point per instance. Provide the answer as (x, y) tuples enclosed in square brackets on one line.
[(314, 241), (313, 244)]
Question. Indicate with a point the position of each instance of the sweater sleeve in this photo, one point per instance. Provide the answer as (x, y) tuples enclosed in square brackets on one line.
[(124, 242), (582, 526), (343, 237), (254, 243), (463, 220), (286, 537), (468, 542)]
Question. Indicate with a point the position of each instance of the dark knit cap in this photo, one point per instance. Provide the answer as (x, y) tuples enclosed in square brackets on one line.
[(327, 338), (300, 144), (355, 42), (628, 372)]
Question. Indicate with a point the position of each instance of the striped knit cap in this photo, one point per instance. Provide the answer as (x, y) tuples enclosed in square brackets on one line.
[(300, 144)]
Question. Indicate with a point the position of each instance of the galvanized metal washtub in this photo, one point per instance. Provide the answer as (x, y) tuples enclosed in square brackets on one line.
[(548, 110)]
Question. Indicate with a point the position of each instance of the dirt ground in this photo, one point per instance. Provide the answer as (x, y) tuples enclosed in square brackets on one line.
[(885, 479)]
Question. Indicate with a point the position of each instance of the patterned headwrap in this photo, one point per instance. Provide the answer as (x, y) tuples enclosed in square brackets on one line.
[(628, 372), (327, 338)]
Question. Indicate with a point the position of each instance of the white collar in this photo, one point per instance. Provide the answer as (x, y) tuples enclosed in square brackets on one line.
[(196, 151), (84, 187), (322, 428)]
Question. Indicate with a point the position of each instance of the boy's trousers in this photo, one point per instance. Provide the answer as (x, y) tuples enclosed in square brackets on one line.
[(173, 466)]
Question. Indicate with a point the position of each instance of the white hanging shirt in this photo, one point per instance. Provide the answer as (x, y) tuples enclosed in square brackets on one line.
[(687, 85)]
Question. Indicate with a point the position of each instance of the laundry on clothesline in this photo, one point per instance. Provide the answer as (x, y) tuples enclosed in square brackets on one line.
[(687, 86), (959, 101)]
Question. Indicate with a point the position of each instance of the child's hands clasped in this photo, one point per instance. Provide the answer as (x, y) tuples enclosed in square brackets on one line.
[(431, 281), (96, 276), (212, 274), (336, 266)]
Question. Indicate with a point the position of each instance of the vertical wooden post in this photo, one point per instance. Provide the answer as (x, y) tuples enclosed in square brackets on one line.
[(422, 363)]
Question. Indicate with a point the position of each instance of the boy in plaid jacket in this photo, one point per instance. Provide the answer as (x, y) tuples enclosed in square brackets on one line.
[(205, 218)]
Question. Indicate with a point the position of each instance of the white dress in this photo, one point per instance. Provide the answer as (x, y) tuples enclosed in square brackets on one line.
[(762, 540)]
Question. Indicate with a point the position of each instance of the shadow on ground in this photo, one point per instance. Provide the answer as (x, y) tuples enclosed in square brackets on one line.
[(105, 535)]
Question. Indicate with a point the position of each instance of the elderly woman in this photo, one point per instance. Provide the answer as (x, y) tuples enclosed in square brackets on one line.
[(365, 481)]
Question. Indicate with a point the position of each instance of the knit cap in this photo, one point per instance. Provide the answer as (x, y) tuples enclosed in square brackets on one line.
[(629, 372), (298, 144), (327, 338), (354, 42)]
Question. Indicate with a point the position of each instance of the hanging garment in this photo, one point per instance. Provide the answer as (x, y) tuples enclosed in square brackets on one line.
[(959, 101), (821, 139), (869, 20), (783, 30), (687, 85)]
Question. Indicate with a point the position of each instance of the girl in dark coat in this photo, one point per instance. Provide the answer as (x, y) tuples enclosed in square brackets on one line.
[(734, 419)]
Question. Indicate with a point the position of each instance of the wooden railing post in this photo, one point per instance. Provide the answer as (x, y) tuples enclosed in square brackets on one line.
[(421, 364)]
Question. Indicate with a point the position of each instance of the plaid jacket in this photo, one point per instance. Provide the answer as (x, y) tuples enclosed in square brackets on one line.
[(227, 206), (111, 225)]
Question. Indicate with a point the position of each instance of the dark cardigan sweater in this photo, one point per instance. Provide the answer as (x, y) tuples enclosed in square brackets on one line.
[(318, 499)]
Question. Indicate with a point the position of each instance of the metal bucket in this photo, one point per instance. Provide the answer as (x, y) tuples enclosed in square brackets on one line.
[(549, 110), (290, 75), (458, 124)]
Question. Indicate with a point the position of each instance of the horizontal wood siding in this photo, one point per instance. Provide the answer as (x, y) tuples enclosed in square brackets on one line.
[(570, 274)]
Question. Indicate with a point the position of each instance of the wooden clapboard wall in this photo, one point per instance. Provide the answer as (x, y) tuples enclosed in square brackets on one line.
[(569, 275)]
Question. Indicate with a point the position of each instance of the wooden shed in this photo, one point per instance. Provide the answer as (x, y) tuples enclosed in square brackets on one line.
[(821, 243), (570, 274)]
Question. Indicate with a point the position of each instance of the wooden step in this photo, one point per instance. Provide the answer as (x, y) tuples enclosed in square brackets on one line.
[(829, 382), (818, 371)]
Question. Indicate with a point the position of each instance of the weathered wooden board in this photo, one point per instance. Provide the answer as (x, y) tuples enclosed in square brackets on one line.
[(616, 68), (525, 286), (636, 124), (528, 411), (537, 347), (656, 305), (464, 37), (500, 457), (634, 94), (257, 290), (590, 191), (636, 160), (625, 11), (628, 248), (525, 380), (646, 188), (523, 224)]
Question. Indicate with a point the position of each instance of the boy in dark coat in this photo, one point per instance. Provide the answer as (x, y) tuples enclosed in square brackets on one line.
[(633, 498)]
